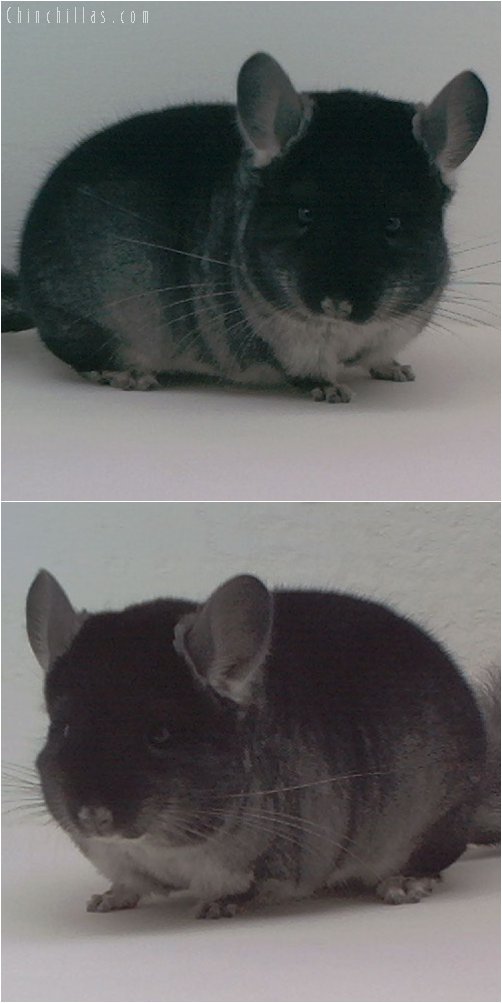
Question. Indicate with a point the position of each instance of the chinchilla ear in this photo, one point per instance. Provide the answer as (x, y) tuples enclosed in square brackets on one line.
[(451, 125), (269, 111), (51, 621), (226, 640)]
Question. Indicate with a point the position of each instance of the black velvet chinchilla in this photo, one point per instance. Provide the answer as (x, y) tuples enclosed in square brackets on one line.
[(261, 746), (265, 245)]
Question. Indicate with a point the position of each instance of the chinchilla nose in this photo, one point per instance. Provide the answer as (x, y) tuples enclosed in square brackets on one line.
[(340, 309), (96, 820)]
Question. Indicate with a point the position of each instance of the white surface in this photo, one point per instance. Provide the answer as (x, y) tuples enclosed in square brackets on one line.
[(436, 563), (435, 439)]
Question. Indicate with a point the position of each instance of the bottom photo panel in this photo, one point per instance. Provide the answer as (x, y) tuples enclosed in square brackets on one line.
[(284, 717)]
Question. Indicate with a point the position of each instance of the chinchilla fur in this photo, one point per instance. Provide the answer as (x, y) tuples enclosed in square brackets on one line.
[(260, 746), (270, 244)]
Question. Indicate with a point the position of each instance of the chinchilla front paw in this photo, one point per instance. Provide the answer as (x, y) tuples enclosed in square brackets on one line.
[(128, 379), (117, 897), (227, 906), (392, 371), (221, 909), (399, 889), (336, 393)]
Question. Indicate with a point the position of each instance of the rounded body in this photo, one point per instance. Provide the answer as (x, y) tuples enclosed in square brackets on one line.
[(157, 248), (358, 757)]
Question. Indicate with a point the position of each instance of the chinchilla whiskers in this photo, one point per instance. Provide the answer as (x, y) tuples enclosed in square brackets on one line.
[(20, 778), (292, 829), (180, 827), (21, 790), (20, 774), (174, 250), (23, 805), (89, 193), (167, 324), (474, 311), (336, 778), (187, 339), (165, 289), (28, 810), (474, 282), (451, 313), (186, 824), (468, 295), (249, 330), (474, 247), (429, 320), (312, 828), (255, 824), (473, 268), (192, 335), (441, 327), (14, 793), (253, 331), (151, 292), (492, 237), (289, 821), (316, 783), (199, 296), (451, 310), (216, 321), (186, 316), (459, 296)]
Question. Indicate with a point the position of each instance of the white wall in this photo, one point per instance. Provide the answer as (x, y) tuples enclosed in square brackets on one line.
[(61, 82), (437, 563)]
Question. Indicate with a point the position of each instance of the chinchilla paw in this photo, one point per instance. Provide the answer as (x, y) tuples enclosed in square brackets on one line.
[(393, 371), (129, 379), (399, 889), (337, 393), (115, 898), (220, 909)]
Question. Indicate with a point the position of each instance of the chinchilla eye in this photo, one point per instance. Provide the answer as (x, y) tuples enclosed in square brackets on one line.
[(305, 216), (393, 224), (158, 737)]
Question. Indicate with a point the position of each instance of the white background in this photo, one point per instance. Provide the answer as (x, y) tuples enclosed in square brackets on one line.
[(435, 563), (437, 438)]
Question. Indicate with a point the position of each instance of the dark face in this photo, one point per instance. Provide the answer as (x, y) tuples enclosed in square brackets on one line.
[(351, 218), (132, 732)]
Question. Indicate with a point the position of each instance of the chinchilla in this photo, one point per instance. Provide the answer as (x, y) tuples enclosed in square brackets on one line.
[(260, 746), (265, 245)]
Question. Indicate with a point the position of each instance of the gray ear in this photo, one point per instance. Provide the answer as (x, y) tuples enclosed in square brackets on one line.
[(226, 640), (451, 125), (51, 621), (270, 112)]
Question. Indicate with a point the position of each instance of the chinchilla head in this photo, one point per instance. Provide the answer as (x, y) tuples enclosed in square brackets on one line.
[(344, 192), (148, 709)]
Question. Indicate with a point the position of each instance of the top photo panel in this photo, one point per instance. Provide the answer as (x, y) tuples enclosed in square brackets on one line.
[(251, 251)]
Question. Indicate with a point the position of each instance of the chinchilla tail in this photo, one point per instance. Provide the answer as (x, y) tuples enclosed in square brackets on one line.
[(486, 822), (13, 316)]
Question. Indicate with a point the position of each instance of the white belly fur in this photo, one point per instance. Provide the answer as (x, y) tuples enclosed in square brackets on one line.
[(144, 866), (319, 348)]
